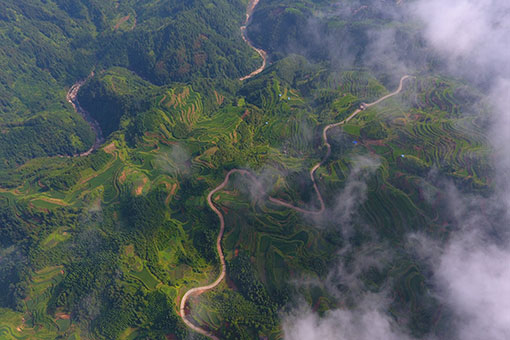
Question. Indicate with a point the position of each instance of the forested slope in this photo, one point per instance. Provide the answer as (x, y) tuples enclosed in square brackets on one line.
[(50, 45), (105, 246)]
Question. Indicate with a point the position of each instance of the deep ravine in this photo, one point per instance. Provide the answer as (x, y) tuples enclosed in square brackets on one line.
[(72, 97)]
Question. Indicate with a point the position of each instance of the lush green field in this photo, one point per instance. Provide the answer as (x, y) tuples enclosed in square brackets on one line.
[(140, 206), (104, 246), (53, 44)]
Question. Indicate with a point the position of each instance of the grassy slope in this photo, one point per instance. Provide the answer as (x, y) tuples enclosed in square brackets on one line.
[(52, 44), (128, 229), (183, 153)]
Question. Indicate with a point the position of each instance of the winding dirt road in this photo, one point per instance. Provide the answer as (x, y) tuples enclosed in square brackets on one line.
[(354, 114), (199, 290), (72, 97), (261, 52)]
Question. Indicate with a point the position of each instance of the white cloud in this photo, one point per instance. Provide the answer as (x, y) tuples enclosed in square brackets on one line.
[(473, 271), (475, 280), (472, 30), (176, 162), (354, 192), (368, 321)]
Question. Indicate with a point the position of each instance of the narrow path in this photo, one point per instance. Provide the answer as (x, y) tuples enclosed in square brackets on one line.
[(72, 97), (261, 52), (354, 114), (199, 290)]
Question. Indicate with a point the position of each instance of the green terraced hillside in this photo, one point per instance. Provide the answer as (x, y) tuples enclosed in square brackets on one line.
[(105, 245)]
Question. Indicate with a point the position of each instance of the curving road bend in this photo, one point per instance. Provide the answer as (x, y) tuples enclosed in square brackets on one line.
[(199, 290), (261, 52), (72, 97), (354, 114)]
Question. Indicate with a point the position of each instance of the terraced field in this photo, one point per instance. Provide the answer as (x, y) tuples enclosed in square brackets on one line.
[(130, 222), (280, 248)]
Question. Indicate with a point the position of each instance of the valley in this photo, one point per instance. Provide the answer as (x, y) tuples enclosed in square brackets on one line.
[(200, 290), (263, 54), (72, 98), (185, 190)]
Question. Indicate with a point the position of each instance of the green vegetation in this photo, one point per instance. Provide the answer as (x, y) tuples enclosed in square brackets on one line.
[(357, 33), (53, 44), (104, 246)]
